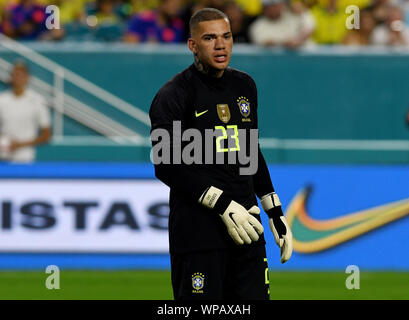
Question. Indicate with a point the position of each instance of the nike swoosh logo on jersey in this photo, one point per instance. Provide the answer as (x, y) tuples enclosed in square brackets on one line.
[(199, 114), (311, 235)]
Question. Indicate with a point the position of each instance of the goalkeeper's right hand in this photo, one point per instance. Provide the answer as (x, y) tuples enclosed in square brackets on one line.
[(241, 225)]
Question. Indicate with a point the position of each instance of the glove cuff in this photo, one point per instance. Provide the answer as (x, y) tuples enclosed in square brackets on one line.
[(271, 205), (213, 198), (269, 201)]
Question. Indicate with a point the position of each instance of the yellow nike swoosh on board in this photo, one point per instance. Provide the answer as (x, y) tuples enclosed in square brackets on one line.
[(311, 235), (199, 114)]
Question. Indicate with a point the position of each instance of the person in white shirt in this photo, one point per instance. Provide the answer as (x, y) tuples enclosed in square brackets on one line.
[(393, 32), (24, 118), (284, 25)]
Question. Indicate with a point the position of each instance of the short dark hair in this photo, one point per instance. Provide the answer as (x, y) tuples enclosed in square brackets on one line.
[(205, 14)]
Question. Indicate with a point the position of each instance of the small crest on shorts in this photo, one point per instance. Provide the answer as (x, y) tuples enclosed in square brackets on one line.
[(244, 105), (198, 282), (223, 112)]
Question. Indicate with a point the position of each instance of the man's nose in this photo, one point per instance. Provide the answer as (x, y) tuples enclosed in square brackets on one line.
[(220, 43)]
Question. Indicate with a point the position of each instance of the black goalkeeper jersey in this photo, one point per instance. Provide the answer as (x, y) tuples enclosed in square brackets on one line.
[(227, 106)]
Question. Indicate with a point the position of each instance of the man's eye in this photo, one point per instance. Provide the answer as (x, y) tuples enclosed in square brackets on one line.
[(208, 38), (227, 36)]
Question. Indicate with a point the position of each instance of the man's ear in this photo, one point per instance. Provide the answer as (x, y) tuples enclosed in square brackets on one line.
[(191, 43)]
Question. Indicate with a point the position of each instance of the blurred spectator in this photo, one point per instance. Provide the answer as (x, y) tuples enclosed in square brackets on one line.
[(188, 10), (6, 4), (191, 6), (217, 4), (160, 25), (24, 20), (342, 4), (394, 31), (106, 13), (308, 3), (298, 8), (139, 6), (282, 25), (404, 4), (288, 23), (251, 7), (24, 118), (380, 10), (330, 22), (105, 20), (70, 11), (361, 36), (238, 22)]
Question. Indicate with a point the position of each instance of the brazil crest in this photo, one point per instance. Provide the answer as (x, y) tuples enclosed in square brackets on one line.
[(244, 106)]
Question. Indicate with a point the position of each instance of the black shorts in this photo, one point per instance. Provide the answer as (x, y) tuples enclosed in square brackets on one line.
[(240, 273)]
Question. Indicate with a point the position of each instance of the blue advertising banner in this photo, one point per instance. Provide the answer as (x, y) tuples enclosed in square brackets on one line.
[(339, 216), (344, 215)]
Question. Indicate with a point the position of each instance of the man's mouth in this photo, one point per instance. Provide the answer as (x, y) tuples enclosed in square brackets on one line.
[(220, 58)]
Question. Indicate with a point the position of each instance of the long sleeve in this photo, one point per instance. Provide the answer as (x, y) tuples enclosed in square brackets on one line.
[(167, 109), (261, 180)]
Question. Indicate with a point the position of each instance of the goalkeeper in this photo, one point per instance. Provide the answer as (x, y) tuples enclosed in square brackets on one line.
[(216, 240)]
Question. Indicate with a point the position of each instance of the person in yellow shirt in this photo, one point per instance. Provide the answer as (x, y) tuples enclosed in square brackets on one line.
[(251, 7), (70, 11), (4, 5), (330, 17), (106, 13), (342, 4), (330, 23)]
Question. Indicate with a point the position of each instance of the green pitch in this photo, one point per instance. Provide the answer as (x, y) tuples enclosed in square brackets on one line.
[(155, 285)]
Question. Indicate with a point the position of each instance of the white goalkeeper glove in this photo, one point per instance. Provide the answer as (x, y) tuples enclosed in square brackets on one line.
[(241, 225), (278, 225)]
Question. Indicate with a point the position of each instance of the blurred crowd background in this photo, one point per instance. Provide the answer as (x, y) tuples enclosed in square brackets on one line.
[(286, 23)]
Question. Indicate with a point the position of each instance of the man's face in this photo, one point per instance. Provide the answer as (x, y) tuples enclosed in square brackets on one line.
[(394, 14), (212, 42), (19, 77)]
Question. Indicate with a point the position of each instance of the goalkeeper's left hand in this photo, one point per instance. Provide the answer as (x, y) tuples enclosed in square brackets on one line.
[(278, 225)]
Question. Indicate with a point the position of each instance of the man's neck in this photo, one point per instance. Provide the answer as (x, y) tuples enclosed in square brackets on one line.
[(18, 91), (206, 70)]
